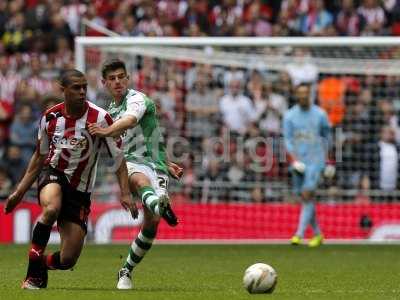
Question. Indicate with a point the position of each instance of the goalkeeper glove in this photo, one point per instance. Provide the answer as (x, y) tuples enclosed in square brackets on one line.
[(299, 166), (330, 170)]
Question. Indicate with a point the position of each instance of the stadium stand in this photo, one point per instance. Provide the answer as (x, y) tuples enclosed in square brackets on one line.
[(37, 43)]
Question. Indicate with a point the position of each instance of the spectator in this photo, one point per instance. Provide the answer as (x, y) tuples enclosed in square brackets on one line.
[(3, 16), (236, 171), (213, 176), (5, 184), (392, 8), (372, 116), (9, 81), (36, 79), (59, 28), (63, 56), (149, 24), (130, 27), (169, 101), (6, 115), (238, 174), (256, 24), (259, 156), (37, 17), (14, 163), (95, 92), (354, 139), (49, 101), (349, 22), (317, 21), (383, 172), (284, 87), (270, 107), (23, 131), (92, 15), (363, 195), (16, 36), (201, 109), (194, 13), (189, 178), (237, 110), (296, 6), (302, 70), (72, 13), (257, 195), (285, 25), (231, 74), (224, 16), (199, 70), (374, 16), (331, 91), (108, 190), (255, 82), (145, 78)]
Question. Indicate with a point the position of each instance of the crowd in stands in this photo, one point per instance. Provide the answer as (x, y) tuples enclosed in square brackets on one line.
[(230, 118), (43, 24)]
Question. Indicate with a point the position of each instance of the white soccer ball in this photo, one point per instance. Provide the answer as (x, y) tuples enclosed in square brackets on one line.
[(260, 278)]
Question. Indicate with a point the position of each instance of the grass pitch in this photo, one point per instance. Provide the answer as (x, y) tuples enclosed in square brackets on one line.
[(215, 272)]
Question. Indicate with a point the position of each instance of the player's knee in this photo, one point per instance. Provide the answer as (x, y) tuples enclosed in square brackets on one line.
[(140, 181), (50, 214)]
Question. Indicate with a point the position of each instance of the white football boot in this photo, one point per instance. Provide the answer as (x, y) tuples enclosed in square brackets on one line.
[(124, 280)]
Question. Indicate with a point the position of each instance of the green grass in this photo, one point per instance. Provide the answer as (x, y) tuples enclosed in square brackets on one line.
[(215, 272)]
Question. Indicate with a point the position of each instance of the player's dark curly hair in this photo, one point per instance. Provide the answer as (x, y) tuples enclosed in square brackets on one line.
[(112, 65), (66, 75)]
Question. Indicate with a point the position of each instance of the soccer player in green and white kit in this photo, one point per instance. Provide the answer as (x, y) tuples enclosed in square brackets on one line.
[(136, 122)]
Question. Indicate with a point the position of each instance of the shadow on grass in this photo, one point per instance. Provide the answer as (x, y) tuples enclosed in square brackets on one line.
[(139, 289), (81, 289)]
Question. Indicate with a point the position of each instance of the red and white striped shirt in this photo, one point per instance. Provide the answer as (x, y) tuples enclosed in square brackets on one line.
[(8, 85), (69, 146), (40, 85)]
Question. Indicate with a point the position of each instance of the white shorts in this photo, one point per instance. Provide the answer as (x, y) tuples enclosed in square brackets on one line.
[(159, 181)]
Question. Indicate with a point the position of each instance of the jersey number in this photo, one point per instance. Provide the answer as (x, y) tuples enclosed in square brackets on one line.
[(162, 182)]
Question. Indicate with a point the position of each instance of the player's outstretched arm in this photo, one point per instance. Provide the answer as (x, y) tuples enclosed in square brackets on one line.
[(126, 196), (32, 172), (114, 130)]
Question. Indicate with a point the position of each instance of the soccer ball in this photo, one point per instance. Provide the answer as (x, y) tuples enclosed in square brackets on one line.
[(260, 278)]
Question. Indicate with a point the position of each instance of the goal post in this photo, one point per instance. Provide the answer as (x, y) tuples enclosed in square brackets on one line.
[(355, 79), (83, 42)]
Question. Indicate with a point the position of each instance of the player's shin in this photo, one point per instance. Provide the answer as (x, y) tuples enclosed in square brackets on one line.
[(40, 238), (305, 218), (150, 199), (139, 247), (314, 222)]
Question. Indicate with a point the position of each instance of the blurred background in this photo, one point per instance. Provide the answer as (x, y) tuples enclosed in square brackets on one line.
[(228, 156)]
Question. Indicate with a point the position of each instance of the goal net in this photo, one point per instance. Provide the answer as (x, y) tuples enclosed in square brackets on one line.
[(236, 183)]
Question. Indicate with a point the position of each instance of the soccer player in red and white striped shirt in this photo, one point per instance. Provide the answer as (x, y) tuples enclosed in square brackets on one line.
[(65, 162)]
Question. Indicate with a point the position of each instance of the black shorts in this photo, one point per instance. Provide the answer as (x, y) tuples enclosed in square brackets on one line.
[(75, 206)]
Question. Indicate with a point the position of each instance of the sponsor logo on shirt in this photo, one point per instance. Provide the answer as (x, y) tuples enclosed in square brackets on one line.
[(75, 143)]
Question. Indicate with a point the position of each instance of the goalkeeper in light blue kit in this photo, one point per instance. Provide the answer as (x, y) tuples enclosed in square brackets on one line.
[(307, 134)]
